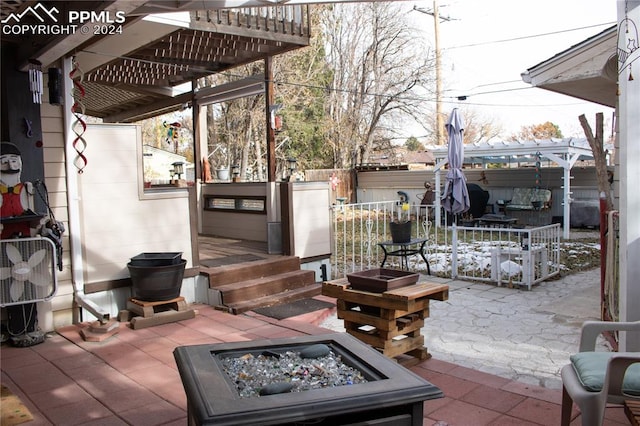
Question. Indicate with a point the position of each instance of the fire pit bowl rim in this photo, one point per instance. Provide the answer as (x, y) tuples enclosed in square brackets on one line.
[(213, 399)]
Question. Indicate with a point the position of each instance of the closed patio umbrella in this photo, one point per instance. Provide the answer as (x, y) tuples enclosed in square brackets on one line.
[(455, 199)]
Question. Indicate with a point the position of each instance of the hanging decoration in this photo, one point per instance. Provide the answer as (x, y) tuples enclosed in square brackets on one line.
[(35, 81), (334, 181), (538, 158), (79, 126), (173, 134), (627, 43)]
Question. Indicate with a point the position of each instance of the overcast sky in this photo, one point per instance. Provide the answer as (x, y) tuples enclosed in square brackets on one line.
[(476, 60)]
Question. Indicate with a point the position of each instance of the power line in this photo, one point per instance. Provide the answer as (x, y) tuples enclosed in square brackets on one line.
[(350, 91), (528, 36)]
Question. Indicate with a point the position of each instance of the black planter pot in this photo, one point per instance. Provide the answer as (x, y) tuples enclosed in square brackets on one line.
[(400, 231), (156, 283)]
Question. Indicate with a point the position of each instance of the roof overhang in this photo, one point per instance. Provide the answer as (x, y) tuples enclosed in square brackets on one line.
[(587, 70)]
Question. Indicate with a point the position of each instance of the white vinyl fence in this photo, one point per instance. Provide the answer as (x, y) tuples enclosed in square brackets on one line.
[(505, 256)]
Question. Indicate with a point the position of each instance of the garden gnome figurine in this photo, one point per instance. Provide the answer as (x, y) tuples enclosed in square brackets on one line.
[(16, 195)]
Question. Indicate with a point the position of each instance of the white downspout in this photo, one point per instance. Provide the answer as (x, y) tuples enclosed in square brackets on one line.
[(73, 198)]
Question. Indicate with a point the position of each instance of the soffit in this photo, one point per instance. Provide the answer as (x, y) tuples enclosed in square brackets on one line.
[(587, 70)]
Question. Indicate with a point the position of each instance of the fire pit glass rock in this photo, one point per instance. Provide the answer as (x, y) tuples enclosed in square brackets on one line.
[(271, 372)]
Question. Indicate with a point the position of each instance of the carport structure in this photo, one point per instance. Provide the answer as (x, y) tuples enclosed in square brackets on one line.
[(564, 152)]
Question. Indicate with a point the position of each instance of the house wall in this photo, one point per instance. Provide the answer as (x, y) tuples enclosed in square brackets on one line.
[(629, 134)]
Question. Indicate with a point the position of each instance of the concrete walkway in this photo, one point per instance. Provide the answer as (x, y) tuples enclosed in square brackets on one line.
[(520, 335)]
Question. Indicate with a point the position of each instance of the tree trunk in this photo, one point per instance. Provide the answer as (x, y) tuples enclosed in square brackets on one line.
[(244, 162), (597, 147)]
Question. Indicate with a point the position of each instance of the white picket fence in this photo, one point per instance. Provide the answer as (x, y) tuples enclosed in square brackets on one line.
[(504, 256)]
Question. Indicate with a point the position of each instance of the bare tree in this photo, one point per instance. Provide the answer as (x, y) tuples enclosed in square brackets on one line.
[(378, 72), (597, 148), (478, 129)]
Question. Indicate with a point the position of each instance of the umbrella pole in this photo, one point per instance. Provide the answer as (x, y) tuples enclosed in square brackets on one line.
[(454, 249)]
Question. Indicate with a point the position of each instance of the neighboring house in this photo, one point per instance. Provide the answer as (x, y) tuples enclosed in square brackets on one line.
[(600, 69), (159, 166), (399, 158)]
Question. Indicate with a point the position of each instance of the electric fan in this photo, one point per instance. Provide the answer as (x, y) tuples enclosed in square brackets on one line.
[(27, 275)]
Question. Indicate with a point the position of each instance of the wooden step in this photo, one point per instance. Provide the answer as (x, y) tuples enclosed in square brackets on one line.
[(264, 286), (229, 274), (288, 296)]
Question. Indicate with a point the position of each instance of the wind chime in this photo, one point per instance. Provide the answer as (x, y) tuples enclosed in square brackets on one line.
[(35, 81), (79, 126), (538, 158), (627, 42), (537, 203)]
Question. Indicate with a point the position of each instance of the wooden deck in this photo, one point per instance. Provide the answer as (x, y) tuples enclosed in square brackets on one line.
[(217, 247)]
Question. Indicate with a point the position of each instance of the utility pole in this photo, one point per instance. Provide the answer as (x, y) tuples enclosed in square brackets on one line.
[(436, 27)]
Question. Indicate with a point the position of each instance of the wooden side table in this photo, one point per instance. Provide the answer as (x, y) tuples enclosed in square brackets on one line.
[(389, 321)]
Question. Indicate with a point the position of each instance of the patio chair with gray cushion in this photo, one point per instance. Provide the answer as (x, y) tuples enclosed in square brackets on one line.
[(593, 379)]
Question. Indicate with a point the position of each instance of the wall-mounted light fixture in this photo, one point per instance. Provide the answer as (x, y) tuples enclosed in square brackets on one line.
[(291, 166), (235, 172)]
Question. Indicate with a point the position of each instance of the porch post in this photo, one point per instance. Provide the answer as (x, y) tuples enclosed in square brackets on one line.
[(271, 133), (566, 219), (628, 156), (566, 162)]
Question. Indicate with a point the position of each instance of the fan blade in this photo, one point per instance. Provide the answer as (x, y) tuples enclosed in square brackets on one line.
[(5, 273), (40, 279), (16, 290), (36, 258), (13, 254)]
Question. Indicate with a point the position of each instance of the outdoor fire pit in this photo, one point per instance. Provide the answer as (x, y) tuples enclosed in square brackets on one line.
[(391, 395)]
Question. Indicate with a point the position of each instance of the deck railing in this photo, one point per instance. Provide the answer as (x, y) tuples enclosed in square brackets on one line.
[(280, 19), (505, 256)]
